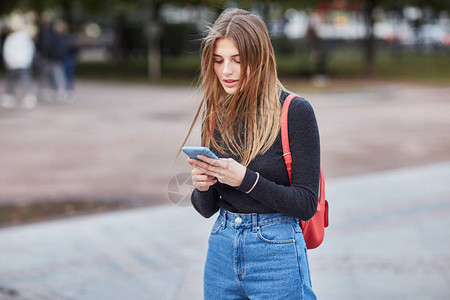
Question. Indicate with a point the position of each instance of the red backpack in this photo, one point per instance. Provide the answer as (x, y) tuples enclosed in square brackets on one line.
[(314, 228)]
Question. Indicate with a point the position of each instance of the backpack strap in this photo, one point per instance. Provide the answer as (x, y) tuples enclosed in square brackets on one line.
[(287, 151), (285, 135)]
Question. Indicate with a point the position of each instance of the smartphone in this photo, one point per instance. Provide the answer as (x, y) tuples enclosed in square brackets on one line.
[(192, 152)]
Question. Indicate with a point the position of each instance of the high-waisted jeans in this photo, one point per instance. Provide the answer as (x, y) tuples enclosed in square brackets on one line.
[(257, 256)]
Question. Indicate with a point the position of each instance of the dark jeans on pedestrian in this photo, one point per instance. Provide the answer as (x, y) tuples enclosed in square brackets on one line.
[(25, 77)]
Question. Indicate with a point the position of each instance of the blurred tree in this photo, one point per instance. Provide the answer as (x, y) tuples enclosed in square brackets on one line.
[(438, 5), (119, 9), (370, 5), (6, 7)]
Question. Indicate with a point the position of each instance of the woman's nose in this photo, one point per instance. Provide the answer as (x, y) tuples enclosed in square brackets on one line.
[(227, 68)]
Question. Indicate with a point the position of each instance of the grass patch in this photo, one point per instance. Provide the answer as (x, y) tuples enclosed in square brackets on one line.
[(345, 64), (388, 65), (414, 66), (175, 70), (185, 70)]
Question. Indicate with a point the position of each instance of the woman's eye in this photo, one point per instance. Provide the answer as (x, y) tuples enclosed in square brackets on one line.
[(218, 61)]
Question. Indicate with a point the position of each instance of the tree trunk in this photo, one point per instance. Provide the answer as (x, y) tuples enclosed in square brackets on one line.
[(154, 41), (154, 51), (68, 15), (369, 45)]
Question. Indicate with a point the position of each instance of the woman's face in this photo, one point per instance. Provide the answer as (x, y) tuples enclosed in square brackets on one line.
[(227, 65)]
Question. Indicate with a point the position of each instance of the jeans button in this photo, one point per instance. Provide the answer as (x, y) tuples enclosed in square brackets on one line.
[(238, 220)]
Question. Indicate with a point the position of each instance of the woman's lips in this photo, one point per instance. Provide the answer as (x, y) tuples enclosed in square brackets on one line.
[(230, 83)]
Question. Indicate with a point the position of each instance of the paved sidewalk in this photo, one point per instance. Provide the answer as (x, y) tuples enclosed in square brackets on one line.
[(388, 239), (117, 140)]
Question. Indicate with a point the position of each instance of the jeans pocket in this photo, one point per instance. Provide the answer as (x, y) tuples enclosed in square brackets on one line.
[(217, 225), (278, 233)]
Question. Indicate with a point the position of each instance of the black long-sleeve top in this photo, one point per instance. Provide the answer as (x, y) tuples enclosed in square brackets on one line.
[(273, 192)]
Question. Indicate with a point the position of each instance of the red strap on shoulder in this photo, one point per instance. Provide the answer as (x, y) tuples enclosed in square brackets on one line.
[(287, 151), (285, 135)]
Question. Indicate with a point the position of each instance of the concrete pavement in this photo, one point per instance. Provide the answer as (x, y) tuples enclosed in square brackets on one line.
[(117, 140), (388, 239)]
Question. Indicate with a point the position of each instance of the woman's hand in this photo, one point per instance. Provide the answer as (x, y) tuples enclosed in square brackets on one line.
[(226, 170), (200, 180)]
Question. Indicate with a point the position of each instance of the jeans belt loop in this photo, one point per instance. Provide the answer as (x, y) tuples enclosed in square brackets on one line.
[(254, 222), (224, 221)]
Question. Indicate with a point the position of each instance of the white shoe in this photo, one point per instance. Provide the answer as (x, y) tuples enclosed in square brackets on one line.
[(8, 101), (29, 101)]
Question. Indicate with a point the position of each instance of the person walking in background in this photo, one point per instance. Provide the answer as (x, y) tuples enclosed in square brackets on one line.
[(52, 46), (4, 30), (256, 247), (18, 54), (57, 52), (316, 51), (69, 62), (44, 43)]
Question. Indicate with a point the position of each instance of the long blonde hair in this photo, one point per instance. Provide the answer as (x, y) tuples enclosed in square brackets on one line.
[(249, 120)]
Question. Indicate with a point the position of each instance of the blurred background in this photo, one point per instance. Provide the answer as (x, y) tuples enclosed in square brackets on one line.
[(97, 96), (321, 46), (159, 40)]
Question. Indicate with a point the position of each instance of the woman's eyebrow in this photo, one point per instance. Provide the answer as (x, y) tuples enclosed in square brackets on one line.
[(235, 55)]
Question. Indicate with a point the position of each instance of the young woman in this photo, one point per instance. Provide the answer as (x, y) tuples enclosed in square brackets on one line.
[(256, 247)]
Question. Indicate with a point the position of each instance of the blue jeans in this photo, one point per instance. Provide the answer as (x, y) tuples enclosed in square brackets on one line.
[(257, 256), (69, 71)]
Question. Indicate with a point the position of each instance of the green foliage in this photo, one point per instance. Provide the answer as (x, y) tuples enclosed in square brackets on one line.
[(107, 7), (438, 5), (284, 45), (180, 38)]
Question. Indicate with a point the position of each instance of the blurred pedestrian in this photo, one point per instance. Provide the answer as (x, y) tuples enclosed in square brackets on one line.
[(69, 61), (18, 54), (316, 50), (53, 46), (44, 43), (4, 30), (57, 52), (256, 247)]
